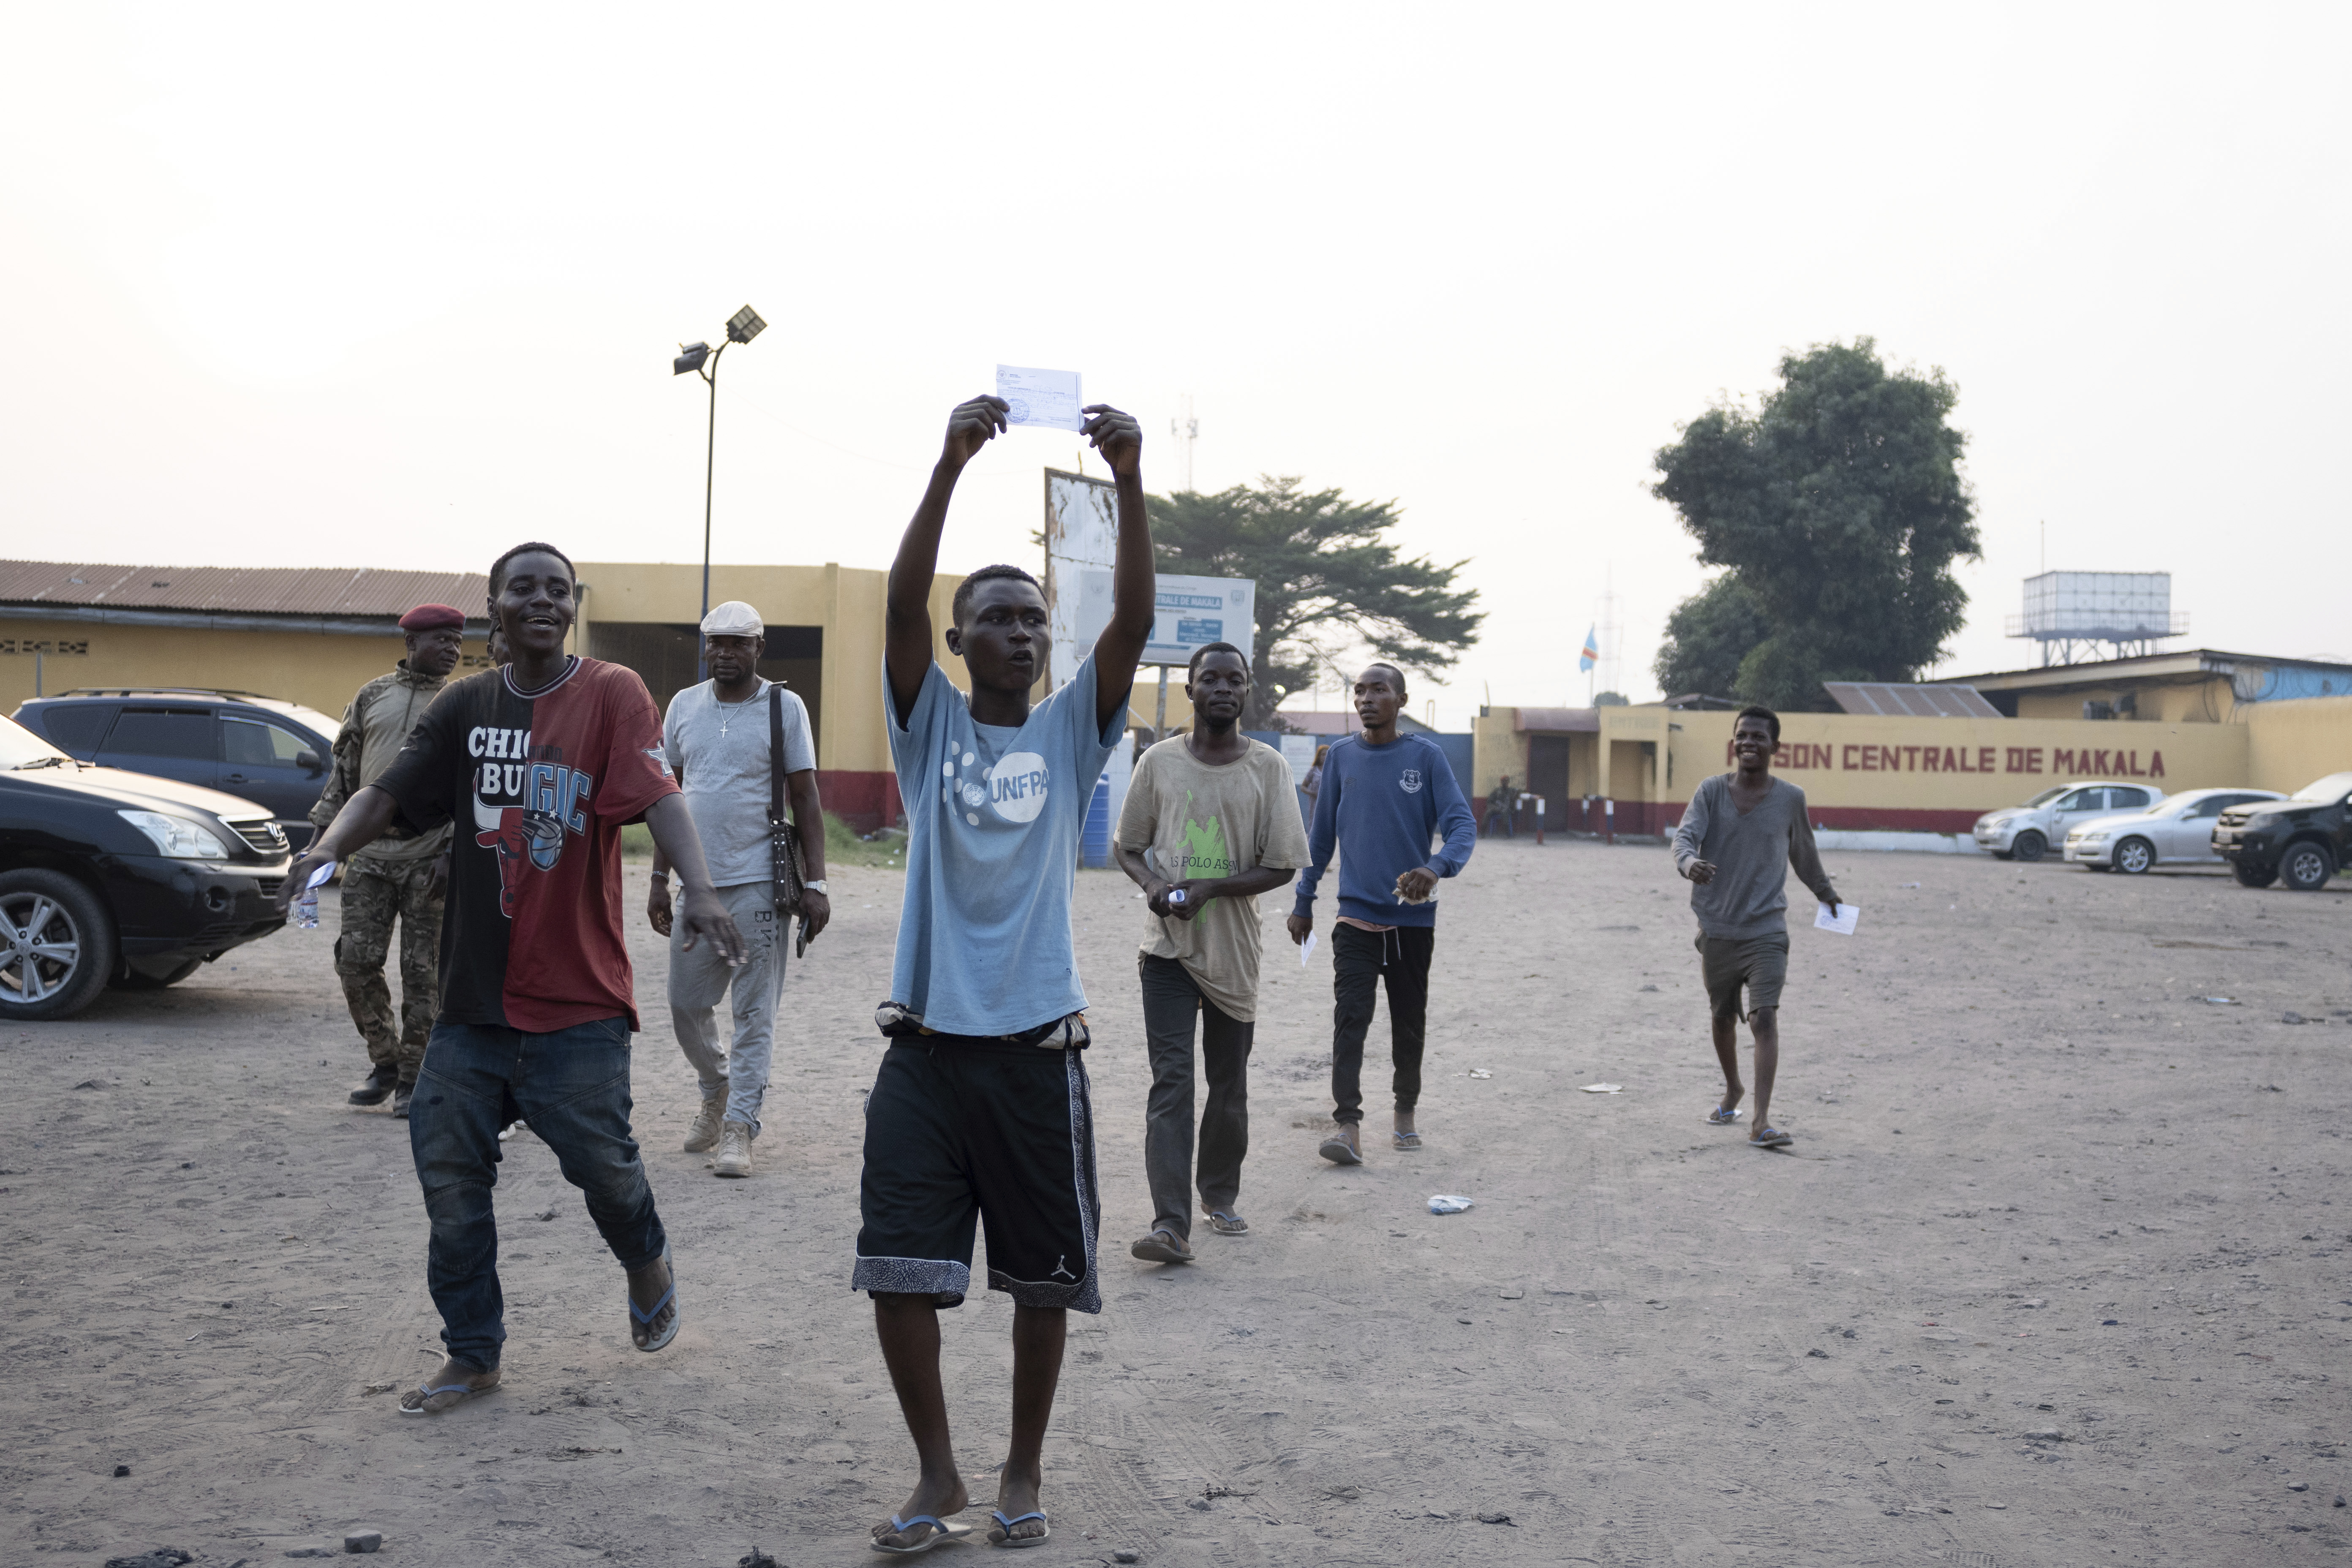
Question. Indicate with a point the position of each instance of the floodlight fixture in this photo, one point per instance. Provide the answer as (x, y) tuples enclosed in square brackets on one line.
[(703, 360)]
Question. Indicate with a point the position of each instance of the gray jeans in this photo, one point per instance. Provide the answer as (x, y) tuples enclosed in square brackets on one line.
[(1170, 1003), (697, 981)]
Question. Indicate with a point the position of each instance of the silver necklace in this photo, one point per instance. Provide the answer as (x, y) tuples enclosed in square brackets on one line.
[(729, 711)]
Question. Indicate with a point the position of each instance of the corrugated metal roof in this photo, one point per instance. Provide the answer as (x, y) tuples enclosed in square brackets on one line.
[(1888, 699), (242, 590)]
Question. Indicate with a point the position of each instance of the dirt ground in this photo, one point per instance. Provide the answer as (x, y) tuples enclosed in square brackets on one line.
[(2024, 1291)]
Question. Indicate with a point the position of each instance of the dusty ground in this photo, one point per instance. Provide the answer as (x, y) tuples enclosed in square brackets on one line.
[(2037, 1187)]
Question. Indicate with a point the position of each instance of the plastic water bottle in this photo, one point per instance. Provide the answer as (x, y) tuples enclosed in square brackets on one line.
[(1176, 895), (306, 902)]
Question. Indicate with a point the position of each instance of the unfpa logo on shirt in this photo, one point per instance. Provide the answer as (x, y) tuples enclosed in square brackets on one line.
[(1017, 785)]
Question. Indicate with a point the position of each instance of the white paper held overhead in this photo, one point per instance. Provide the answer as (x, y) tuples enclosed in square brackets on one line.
[(1047, 397), (1840, 922)]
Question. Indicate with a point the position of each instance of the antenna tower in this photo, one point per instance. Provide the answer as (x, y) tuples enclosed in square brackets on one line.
[(1611, 635), (1187, 429)]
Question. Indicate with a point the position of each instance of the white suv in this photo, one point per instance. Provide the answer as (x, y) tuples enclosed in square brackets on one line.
[(2026, 832), (2178, 831)]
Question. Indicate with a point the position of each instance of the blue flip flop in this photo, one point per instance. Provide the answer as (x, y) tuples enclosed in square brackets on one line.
[(1770, 1138), (941, 1530), (645, 1317), (1719, 1117), (1003, 1534)]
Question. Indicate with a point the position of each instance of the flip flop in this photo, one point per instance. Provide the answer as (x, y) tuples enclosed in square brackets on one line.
[(1408, 1140), (1003, 1534), (1719, 1117), (1227, 1222), (1334, 1148), (1161, 1247), (646, 1317), (941, 1530), (1770, 1138), (424, 1406)]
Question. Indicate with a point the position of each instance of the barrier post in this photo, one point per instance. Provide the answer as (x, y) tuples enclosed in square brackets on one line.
[(1540, 820), (1609, 813)]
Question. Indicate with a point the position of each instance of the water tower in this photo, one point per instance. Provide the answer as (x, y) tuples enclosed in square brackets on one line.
[(2072, 615)]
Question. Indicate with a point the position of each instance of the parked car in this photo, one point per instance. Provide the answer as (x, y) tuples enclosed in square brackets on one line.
[(2176, 831), (2300, 840), (2026, 832), (108, 877), (257, 748)]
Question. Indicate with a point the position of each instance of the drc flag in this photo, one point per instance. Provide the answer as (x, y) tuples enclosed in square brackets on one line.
[(1591, 654)]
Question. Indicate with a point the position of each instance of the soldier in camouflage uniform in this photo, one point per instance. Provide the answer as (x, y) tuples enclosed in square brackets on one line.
[(400, 877)]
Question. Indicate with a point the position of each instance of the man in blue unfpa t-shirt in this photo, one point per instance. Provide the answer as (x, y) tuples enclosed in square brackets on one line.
[(980, 1112), (1385, 797)]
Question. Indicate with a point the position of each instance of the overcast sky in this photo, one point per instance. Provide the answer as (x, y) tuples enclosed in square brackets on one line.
[(309, 285)]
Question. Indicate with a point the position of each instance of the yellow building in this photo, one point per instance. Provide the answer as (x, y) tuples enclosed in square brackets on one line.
[(1862, 771), (315, 635)]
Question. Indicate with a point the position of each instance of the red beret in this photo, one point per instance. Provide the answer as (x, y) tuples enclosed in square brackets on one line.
[(432, 618)]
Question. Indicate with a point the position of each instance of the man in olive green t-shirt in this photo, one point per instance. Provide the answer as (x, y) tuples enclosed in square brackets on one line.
[(1211, 821)]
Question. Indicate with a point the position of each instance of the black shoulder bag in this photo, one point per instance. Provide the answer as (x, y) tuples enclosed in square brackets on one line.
[(783, 841)]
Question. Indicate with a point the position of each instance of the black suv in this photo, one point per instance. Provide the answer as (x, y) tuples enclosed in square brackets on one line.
[(260, 748), (2300, 840), (112, 877)]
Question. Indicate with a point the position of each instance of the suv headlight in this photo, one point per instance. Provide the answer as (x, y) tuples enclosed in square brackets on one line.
[(177, 837), (2089, 837)]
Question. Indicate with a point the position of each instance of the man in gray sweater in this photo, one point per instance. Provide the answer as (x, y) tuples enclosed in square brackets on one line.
[(1738, 834)]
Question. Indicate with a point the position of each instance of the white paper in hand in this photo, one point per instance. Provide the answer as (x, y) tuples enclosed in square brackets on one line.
[(1306, 948), (1047, 397), (1840, 922)]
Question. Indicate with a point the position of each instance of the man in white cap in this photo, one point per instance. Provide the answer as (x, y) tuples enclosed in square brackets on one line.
[(720, 740)]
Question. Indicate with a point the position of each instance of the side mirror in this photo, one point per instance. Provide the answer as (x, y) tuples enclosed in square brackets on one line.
[(308, 760)]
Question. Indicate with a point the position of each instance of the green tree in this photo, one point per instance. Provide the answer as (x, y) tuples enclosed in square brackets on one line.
[(1840, 508), (1322, 565), (1707, 636)]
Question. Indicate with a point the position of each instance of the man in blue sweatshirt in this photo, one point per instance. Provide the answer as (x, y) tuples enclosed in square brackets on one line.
[(1385, 797)]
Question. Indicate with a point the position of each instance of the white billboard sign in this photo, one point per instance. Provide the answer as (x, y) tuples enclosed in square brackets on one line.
[(1193, 612)]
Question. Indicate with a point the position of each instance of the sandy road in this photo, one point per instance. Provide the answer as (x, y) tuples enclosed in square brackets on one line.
[(1646, 1344)]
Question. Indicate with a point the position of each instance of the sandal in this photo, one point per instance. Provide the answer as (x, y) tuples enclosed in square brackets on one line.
[(1770, 1138), (941, 1531), (1408, 1140), (1227, 1222), (451, 1395), (640, 1318), (1719, 1117), (1003, 1534)]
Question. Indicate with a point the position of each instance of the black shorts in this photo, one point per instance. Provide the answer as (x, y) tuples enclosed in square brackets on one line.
[(959, 1129), (1758, 963)]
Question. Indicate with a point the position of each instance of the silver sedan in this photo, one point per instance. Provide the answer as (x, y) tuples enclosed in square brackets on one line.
[(2176, 831)]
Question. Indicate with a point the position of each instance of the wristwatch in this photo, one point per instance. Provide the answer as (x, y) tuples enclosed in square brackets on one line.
[(817, 887)]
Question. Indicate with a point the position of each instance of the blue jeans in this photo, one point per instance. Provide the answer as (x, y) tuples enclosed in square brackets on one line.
[(573, 1087)]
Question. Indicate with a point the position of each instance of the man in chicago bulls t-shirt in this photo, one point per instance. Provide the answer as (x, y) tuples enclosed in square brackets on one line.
[(540, 763)]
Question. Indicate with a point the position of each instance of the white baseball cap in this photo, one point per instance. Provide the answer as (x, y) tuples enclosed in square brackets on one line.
[(732, 619)]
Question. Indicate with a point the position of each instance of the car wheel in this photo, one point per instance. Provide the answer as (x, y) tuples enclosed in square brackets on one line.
[(2134, 857), (2306, 867), (2029, 845), (2255, 876), (57, 944), (137, 979)]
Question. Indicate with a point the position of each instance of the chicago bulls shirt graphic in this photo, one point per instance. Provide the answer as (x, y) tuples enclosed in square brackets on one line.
[(541, 785)]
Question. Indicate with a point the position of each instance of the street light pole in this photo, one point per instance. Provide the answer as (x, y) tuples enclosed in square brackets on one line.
[(703, 361)]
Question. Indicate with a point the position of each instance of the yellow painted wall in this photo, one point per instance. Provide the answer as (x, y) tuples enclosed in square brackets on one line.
[(1962, 764), (2207, 701), (1497, 748), (318, 669), (2291, 743)]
